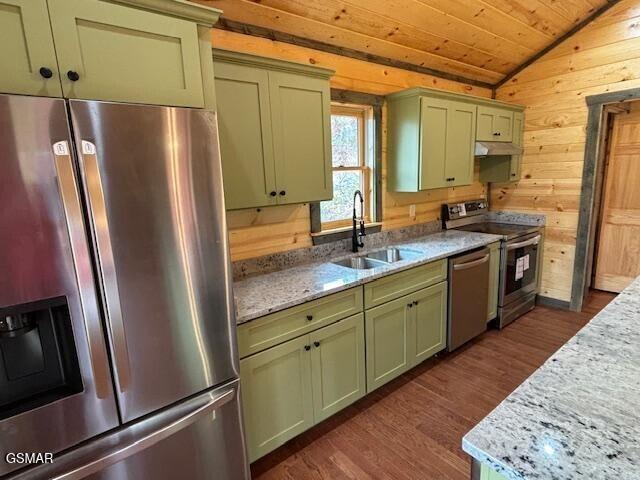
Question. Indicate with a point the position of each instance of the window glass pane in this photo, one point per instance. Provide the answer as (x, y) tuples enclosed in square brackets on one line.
[(341, 207), (344, 141)]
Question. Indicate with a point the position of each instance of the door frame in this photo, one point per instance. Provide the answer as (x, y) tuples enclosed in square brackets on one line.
[(601, 107)]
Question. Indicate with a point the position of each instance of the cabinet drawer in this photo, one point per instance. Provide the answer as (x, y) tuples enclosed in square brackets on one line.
[(281, 326), (394, 286)]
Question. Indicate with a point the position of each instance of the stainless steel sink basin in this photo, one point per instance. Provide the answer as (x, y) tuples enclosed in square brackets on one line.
[(393, 254), (360, 263)]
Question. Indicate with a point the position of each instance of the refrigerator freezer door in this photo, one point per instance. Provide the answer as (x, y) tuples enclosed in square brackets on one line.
[(153, 185), (44, 254), (198, 439)]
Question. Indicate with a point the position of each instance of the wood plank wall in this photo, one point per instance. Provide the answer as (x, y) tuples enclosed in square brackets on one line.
[(603, 57), (256, 232)]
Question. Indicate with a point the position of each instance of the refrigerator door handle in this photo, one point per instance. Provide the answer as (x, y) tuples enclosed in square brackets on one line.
[(147, 441), (78, 241), (93, 183)]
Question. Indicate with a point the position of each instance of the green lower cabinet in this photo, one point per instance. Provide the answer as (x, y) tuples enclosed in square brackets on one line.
[(338, 366), (494, 280), (429, 323), (404, 332), (288, 388), (276, 395), (486, 473), (386, 330)]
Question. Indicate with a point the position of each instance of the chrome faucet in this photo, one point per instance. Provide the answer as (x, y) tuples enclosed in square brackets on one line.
[(356, 236)]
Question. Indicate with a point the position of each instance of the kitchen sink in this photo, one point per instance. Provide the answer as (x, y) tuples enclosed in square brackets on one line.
[(379, 258), (360, 263), (390, 255)]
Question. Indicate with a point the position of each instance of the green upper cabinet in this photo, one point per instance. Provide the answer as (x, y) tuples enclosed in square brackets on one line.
[(495, 124), (301, 121), (505, 168), (275, 132), (27, 56), (432, 135), (246, 143), (138, 51), (431, 142)]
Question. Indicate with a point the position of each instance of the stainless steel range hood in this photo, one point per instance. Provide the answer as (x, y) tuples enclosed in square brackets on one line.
[(485, 149)]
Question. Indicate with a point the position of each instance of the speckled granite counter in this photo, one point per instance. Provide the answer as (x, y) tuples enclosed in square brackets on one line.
[(578, 416), (271, 292)]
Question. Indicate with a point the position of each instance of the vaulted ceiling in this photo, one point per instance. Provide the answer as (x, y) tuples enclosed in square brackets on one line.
[(479, 40)]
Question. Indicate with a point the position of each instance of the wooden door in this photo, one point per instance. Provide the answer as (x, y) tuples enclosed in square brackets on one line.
[(460, 144), (276, 395), (337, 366), (27, 47), (386, 337), (618, 248), (434, 121), (428, 328), (246, 144), (113, 52), (301, 123)]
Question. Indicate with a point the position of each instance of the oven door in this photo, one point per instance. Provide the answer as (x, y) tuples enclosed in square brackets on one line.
[(519, 268)]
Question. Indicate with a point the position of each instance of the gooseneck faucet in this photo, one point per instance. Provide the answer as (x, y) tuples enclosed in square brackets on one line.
[(356, 236)]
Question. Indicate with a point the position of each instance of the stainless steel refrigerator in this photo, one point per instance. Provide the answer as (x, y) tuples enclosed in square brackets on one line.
[(117, 331)]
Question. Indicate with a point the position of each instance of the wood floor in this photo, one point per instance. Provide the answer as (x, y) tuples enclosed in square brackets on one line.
[(412, 428)]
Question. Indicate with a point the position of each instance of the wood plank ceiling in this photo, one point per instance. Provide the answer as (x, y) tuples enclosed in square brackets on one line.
[(481, 41)]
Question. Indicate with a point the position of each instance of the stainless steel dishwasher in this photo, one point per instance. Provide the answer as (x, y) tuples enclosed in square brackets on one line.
[(468, 297)]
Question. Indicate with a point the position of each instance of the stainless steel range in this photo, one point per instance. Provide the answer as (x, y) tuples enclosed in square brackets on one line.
[(519, 259)]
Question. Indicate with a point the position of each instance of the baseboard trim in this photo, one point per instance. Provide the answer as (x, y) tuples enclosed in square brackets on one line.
[(553, 303)]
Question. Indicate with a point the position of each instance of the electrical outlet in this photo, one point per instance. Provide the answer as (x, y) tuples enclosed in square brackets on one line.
[(412, 211)]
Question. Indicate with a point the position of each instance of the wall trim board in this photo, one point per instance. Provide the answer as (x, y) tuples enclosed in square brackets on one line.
[(552, 303), (590, 192), (278, 36), (576, 28)]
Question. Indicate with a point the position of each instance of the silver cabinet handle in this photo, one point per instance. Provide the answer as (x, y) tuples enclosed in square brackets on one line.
[(93, 183), (82, 265), (138, 445), (525, 243), (472, 263)]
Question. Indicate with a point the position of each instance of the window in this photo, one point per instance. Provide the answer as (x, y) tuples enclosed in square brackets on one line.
[(352, 153)]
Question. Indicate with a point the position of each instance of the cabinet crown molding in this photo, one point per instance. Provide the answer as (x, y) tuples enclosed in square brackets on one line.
[(187, 10), (229, 56), (446, 95)]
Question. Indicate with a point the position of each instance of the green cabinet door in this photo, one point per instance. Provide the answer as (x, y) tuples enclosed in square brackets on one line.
[(518, 139), (495, 124), (276, 395), (486, 473), (494, 280), (246, 145), (126, 54), (434, 122), (301, 125), (338, 366), (386, 330), (27, 46), (428, 327), (460, 144)]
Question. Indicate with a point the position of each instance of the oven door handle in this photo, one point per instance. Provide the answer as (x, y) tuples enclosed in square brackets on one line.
[(532, 241)]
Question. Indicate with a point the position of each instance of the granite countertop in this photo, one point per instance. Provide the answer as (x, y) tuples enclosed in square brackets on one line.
[(271, 292), (578, 416)]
